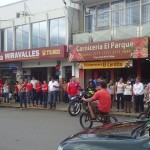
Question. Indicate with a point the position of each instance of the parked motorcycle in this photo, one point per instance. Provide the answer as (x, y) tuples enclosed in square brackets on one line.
[(76, 103)]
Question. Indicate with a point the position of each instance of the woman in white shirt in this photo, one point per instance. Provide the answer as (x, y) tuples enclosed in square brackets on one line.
[(128, 96), (138, 90), (119, 92)]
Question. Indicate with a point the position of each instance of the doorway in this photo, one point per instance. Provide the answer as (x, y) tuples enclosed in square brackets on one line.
[(39, 73), (68, 73)]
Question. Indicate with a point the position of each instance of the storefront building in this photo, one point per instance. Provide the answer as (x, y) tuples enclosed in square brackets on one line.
[(34, 39), (114, 32), (43, 61), (110, 60)]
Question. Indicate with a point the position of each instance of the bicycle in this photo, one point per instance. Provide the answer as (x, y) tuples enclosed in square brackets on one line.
[(145, 114), (86, 122)]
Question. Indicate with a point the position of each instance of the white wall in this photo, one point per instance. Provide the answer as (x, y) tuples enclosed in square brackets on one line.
[(32, 7), (39, 63)]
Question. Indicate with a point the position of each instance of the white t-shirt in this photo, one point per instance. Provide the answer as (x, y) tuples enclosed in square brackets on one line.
[(33, 83), (52, 85), (6, 89), (120, 88), (128, 90), (138, 88), (110, 88)]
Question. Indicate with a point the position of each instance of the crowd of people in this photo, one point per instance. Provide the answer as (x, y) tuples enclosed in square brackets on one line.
[(126, 93), (36, 93)]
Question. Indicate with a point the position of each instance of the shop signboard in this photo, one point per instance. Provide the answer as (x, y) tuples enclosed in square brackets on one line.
[(34, 54), (111, 50), (106, 64)]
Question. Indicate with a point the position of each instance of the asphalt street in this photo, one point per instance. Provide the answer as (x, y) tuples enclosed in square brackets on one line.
[(35, 129)]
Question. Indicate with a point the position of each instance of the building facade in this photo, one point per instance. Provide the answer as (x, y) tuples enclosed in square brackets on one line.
[(112, 34), (35, 37)]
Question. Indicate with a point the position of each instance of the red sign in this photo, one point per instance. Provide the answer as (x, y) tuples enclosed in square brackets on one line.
[(111, 50), (33, 54)]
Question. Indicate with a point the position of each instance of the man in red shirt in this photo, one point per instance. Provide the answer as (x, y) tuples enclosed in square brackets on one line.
[(101, 100), (45, 93), (73, 87), (29, 92), (38, 89)]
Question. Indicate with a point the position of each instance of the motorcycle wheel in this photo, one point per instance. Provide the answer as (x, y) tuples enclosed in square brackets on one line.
[(74, 108)]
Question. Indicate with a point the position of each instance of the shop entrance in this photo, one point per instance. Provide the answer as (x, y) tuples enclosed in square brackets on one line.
[(97, 73), (68, 73), (125, 73), (101, 73), (145, 66), (39, 73)]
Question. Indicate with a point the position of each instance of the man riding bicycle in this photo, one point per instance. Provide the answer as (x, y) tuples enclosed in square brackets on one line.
[(100, 102)]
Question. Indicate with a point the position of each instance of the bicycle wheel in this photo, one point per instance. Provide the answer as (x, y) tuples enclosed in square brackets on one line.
[(74, 108), (110, 119), (85, 121), (143, 116)]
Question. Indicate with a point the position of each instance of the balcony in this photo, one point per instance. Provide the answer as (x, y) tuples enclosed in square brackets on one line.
[(111, 34)]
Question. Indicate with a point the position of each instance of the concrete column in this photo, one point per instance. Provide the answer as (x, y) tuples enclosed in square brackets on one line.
[(14, 36), (30, 34), (48, 74), (81, 77), (112, 73), (0, 42)]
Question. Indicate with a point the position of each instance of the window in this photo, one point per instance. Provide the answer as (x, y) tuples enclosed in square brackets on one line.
[(103, 16), (145, 11), (22, 37), (90, 23), (132, 12), (2, 40), (8, 39), (39, 34), (57, 32), (90, 18), (62, 32), (118, 14)]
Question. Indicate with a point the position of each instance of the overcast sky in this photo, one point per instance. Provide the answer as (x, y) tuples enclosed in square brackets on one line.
[(5, 2)]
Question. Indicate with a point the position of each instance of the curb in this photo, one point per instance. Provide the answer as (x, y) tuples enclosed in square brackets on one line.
[(30, 108), (39, 108)]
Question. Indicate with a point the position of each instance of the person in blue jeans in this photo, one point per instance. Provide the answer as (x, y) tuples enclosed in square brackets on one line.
[(6, 92), (22, 94), (52, 87)]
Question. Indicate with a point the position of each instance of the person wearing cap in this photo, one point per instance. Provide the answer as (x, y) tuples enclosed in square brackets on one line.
[(73, 87), (100, 102)]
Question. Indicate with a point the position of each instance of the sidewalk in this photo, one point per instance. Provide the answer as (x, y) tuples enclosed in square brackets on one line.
[(64, 107)]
